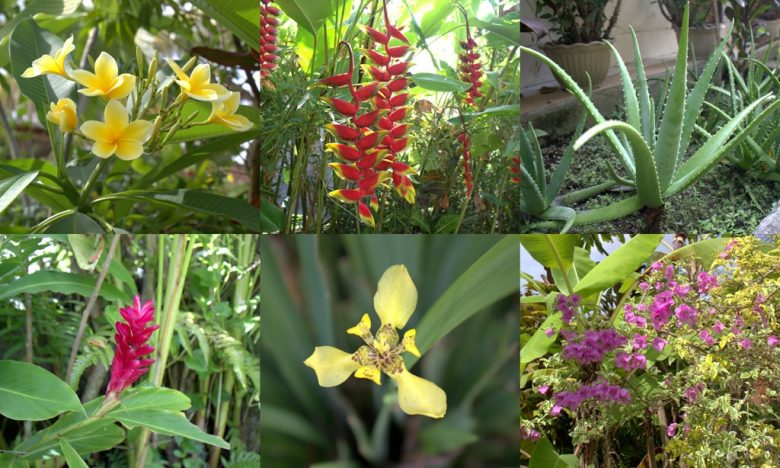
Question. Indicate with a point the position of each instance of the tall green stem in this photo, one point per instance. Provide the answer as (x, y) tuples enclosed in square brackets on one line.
[(92, 179)]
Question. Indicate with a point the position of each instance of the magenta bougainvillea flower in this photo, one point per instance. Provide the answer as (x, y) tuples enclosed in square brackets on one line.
[(131, 346)]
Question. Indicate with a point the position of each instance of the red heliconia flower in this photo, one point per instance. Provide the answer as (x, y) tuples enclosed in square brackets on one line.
[(465, 142), (470, 67), (515, 169), (131, 338), (268, 34)]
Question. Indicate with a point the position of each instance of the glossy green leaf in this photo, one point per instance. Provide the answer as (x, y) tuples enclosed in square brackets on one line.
[(505, 29), (71, 456), (31, 393), (439, 83), (308, 14), (545, 456), (552, 251), (619, 264), (75, 223), (168, 423), (539, 343), (95, 436), (240, 17), (152, 398), (12, 187), (49, 7), (86, 249), (60, 282)]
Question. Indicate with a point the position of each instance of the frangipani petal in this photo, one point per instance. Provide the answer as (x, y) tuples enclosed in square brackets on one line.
[(103, 149), (396, 296), (95, 130), (122, 86), (129, 149), (419, 396), (332, 365), (139, 130), (106, 67)]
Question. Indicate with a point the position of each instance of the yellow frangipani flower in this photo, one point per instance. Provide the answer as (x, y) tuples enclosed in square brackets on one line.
[(106, 81), (198, 85), (63, 114), (394, 301), (48, 64), (224, 113), (117, 135)]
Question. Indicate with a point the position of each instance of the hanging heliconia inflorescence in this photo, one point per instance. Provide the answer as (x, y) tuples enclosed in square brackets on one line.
[(373, 136), (465, 141), (514, 167), (470, 67), (268, 33)]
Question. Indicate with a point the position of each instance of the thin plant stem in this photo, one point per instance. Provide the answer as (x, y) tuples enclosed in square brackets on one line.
[(92, 180)]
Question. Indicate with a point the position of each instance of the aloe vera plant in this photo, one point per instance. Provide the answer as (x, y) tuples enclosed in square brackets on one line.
[(653, 149)]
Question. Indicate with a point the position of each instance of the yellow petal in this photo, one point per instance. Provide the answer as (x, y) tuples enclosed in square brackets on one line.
[(116, 117), (176, 69), (103, 149), (396, 296), (419, 396), (363, 328), (122, 87), (409, 344), (332, 365), (201, 76), (369, 372), (85, 78), (232, 102), (129, 149), (106, 68), (139, 130), (236, 122), (202, 94), (31, 72), (47, 64), (222, 92), (95, 130)]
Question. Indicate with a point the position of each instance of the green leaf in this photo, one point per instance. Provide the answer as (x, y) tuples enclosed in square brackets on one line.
[(196, 200), (96, 436), (491, 278), (73, 458), (86, 249), (12, 187), (152, 398), (545, 456), (61, 282), (308, 14), (168, 423), (271, 217), (439, 83), (539, 343), (202, 110), (619, 265), (75, 223), (31, 393), (508, 30), (240, 17), (552, 251), (49, 7)]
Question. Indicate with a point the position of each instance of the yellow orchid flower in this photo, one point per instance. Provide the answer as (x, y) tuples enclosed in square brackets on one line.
[(117, 135), (63, 114), (394, 301), (106, 81), (47, 64), (198, 85), (224, 113)]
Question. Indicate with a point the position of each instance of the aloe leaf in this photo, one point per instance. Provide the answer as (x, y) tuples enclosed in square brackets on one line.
[(563, 166), (531, 194), (578, 93), (537, 152), (647, 116), (710, 153), (561, 213), (531, 159), (647, 181), (668, 144), (629, 93), (607, 213)]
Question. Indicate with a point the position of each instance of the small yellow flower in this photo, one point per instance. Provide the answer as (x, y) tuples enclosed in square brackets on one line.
[(117, 135), (63, 114), (106, 81), (198, 85), (48, 64), (394, 301), (224, 113)]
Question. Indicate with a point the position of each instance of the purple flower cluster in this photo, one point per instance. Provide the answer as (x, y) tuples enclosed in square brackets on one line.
[(594, 346), (661, 309), (567, 305), (692, 393), (686, 314), (631, 317), (529, 434), (631, 361), (600, 391), (706, 338), (705, 282)]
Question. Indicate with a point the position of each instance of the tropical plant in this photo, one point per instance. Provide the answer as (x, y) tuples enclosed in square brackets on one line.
[(743, 14), (579, 21), (672, 10), (653, 147)]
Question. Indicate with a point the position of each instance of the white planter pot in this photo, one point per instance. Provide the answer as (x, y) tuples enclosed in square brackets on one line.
[(703, 40), (581, 60)]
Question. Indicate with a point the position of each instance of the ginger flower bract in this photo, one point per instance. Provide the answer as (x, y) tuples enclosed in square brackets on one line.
[(131, 345), (117, 135), (198, 85), (224, 113), (394, 302), (63, 113), (106, 81), (47, 64)]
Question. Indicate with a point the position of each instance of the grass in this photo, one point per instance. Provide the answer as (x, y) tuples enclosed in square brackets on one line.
[(725, 200)]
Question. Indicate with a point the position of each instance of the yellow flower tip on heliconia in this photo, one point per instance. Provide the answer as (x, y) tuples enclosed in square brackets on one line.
[(63, 113), (396, 297), (332, 365), (362, 328), (106, 82), (409, 343), (224, 113), (419, 396), (51, 64), (198, 84), (117, 135), (369, 372)]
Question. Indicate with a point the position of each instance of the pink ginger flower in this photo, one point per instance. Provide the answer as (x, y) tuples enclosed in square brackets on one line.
[(131, 338)]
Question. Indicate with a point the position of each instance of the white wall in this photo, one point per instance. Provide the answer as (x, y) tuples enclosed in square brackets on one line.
[(657, 40)]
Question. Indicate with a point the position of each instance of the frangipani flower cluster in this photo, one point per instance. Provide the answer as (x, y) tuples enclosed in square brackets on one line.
[(394, 302), (125, 132)]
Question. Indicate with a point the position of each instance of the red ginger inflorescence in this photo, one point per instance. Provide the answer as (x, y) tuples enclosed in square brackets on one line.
[(373, 137), (131, 338), (268, 33)]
